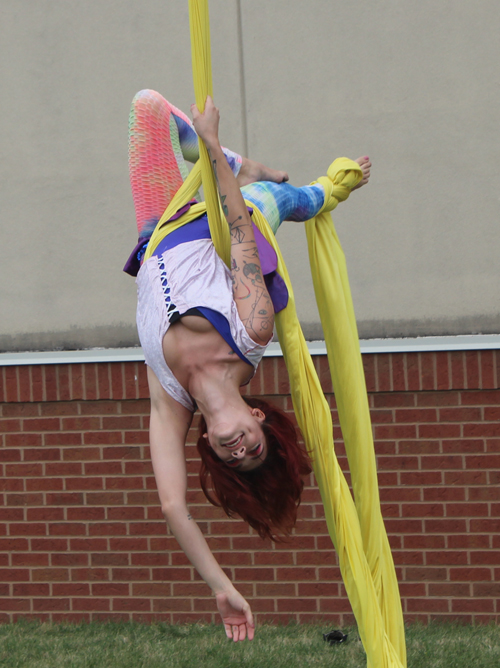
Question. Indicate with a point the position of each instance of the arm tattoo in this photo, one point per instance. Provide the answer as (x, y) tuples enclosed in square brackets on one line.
[(189, 516), (222, 197)]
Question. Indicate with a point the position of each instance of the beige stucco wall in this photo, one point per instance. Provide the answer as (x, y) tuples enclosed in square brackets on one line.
[(413, 85)]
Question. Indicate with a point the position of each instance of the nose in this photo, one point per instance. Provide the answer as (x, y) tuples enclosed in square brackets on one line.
[(239, 453)]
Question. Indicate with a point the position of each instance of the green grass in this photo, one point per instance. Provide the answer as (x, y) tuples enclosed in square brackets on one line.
[(122, 645)]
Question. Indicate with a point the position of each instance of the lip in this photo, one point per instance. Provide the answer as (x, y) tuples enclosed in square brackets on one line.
[(234, 443)]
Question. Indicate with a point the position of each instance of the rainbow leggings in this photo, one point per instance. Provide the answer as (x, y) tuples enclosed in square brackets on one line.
[(162, 139)]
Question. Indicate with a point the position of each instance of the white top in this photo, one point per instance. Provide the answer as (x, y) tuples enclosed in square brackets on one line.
[(187, 276)]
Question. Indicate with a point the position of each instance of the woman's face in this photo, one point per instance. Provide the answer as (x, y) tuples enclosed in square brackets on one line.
[(239, 442)]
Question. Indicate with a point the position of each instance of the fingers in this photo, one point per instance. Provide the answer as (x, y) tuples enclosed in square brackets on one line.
[(248, 616), (227, 628)]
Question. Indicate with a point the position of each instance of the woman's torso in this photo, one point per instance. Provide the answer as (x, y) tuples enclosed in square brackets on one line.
[(185, 276)]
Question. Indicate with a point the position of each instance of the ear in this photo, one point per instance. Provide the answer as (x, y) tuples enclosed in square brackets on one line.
[(258, 414)]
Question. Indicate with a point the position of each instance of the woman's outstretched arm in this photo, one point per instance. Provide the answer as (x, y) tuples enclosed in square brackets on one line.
[(169, 425), (249, 289)]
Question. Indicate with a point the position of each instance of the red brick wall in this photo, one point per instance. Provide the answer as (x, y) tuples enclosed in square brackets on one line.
[(82, 537)]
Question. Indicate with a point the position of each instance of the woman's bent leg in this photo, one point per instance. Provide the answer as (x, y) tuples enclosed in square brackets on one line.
[(156, 164), (281, 201), (161, 139)]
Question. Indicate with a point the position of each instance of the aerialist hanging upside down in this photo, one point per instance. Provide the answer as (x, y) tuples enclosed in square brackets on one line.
[(204, 329)]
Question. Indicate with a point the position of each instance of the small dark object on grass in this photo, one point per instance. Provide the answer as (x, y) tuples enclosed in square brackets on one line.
[(335, 637)]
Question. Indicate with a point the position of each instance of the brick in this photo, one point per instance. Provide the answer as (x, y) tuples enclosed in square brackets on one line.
[(128, 544), (383, 372), (27, 559), (394, 400), (23, 470), (86, 514), (470, 574), (487, 364), (110, 559), (24, 499), (122, 452), (64, 499), (398, 372), (412, 371), (22, 440), (17, 604), (14, 574), (27, 529), (486, 590), (443, 493), (446, 558), (468, 541), (399, 463), (9, 455), (124, 482), (9, 425), (107, 529), (50, 574), (395, 431), (472, 605), (483, 558), (91, 604), (423, 510), (463, 445), (449, 589), (408, 558), (420, 478), (442, 462), (71, 589), (67, 529), (41, 424), (417, 415), (29, 589), (105, 498), (88, 544), (445, 526), (90, 574), (424, 542), (466, 478), (419, 447), (44, 484), (83, 483), (103, 468), (426, 574), (149, 559), (69, 559), (62, 438), (102, 437), (305, 604), (110, 589), (438, 398), (484, 398), (130, 574), (427, 605), (467, 510), (481, 429), (41, 454), (484, 461), (439, 430), (59, 469)]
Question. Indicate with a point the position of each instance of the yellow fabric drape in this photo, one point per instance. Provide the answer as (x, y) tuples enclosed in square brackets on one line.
[(356, 527)]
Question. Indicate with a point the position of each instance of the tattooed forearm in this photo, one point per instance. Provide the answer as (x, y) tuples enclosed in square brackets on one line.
[(222, 197)]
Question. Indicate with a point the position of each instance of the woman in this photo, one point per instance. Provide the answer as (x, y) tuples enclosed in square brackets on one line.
[(204, 329)]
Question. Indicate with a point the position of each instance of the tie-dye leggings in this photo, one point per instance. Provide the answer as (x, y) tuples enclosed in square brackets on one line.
[(162, 139)]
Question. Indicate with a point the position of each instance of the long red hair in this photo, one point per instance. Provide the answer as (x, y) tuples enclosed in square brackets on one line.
[(267, 497)]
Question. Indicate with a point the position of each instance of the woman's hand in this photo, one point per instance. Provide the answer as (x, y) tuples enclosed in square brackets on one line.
[(207, 123), (236, 615)]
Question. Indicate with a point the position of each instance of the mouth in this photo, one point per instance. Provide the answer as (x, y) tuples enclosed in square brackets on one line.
[(234, 443)]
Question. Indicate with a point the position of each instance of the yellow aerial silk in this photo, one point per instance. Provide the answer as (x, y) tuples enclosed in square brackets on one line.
[(356, 528)]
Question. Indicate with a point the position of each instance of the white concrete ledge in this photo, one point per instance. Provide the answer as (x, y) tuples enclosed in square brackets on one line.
[(420, 344)]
